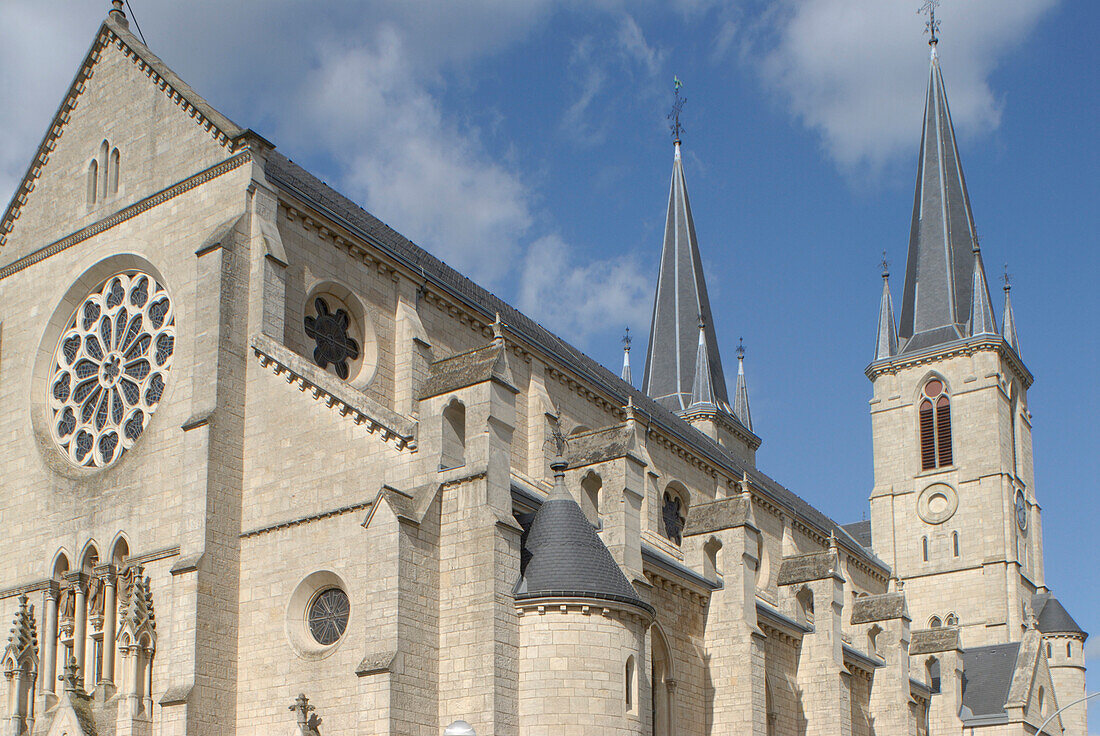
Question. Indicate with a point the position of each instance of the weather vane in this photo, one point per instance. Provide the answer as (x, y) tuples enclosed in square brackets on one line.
[(885, 265), (677, 108), (931, 26), (1007, 277), (740, 348), (627, 340)]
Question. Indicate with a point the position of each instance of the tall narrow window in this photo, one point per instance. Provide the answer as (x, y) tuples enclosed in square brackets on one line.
[(592, 485), (1049, 654), (933, 667), (955, 542), (93, 181), (1069, 649), (924, 548), (935, 426), (104, 151), (628, 683), (112, 173)]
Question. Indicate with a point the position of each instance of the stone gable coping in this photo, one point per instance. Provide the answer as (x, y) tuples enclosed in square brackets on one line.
[(804, 568), (308, 518), (927, 641), (111, 32), (350, 402), (882, 607), (725, 513), (465, 369), (600, 445), (1026, 669)]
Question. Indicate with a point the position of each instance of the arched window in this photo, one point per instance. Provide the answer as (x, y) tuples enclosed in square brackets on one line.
[(951, 620), (454, 436), (924, 548), (661, 705), (673, 514), (935, 622), (112, 173), (935, 426), (955, 542), (104, 151), (932, 669), (93, 181), (769, 707), (628, 684), (1069, 649), (591, 485), (1042, 699), (872, 640)]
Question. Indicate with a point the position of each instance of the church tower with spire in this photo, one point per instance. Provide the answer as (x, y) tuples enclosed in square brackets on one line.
[(683, 368), (954, 509)]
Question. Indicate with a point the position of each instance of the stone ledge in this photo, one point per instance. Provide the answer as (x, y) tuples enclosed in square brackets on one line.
[(725, 513), (350, 402), (927, 641), (883, 607), (812, 566)]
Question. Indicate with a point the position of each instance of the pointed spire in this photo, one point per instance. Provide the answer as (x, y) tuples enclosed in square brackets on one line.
[(741, 396), (626, 358), (939, 278), (981, 308), (887, 344), (1008, 328), (680, 300), (702, 391), (22, 650)]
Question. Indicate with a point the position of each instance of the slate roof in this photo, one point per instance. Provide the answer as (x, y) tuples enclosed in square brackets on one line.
[(987, 676), (562, 555), (296, 181), (942, 238), (860, 531), (1052, 615), (886, 342), (680, 303)]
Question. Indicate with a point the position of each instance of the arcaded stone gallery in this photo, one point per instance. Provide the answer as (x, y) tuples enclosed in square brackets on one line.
[(272, 468)]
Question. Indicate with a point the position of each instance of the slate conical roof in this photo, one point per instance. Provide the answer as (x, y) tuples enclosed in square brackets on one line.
[(702, 387), (1052, 616), (939, 277), (680, 303), (565, 557), (886, 345), (982, 321), (1008, 327), (741, 396)]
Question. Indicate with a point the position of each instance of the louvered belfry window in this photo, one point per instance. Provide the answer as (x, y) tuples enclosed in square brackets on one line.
[(935, 426)]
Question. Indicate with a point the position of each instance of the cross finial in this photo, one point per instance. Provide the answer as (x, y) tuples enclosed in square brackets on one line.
[(677, 108), (976, 244), (740, 348), (627, 340), (931, 26), (302, 708), (1007, 278), (885, 266)]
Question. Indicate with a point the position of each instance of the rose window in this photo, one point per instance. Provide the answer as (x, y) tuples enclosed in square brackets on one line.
[(330, 331), (328, 616), (110, 369)]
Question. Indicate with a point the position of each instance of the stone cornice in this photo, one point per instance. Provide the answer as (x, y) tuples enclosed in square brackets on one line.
[(966, 347), (350, 402)]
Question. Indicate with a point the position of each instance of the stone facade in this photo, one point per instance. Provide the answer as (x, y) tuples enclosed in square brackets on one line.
[(182, 580)]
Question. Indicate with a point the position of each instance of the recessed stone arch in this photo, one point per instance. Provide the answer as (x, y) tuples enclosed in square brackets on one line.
[(120, 550), (662, 681), (89, 556), (61, 564)]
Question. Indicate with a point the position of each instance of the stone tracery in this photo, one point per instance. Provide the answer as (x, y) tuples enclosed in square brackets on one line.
[(110, 368)]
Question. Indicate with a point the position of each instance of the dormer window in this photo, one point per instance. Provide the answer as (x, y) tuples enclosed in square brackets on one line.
[(935, 426)]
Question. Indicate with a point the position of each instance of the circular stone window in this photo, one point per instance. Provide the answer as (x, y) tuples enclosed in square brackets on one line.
[(937, 503), (110, 368), (318, 614), (328, 616)]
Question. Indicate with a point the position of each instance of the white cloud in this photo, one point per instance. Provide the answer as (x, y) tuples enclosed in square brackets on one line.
[(854, 70), (582, 299)]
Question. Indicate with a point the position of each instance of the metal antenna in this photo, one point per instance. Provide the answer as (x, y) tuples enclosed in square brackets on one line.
[(931, 26), (677, 108), (136, 24)]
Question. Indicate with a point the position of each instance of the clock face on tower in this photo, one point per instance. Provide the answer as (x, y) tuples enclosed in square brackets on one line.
[(1021, 511)]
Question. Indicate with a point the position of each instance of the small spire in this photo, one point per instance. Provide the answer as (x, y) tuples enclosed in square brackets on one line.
[(702, 390), (982, 321), (886, 345), (498, 328), (741, 395), (1008, 326), (626, 357)]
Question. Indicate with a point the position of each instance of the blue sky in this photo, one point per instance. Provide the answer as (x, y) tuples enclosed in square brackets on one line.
[(526, 144)]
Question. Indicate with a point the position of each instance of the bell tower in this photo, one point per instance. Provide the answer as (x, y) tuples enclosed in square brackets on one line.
[(954, 509)]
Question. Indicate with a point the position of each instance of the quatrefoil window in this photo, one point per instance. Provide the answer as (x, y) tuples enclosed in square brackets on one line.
[(329, 330), (110, 368)]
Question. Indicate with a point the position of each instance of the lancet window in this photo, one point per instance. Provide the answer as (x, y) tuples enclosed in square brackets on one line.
[(935, 426)]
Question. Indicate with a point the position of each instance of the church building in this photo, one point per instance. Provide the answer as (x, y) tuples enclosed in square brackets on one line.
[(272, 468)]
